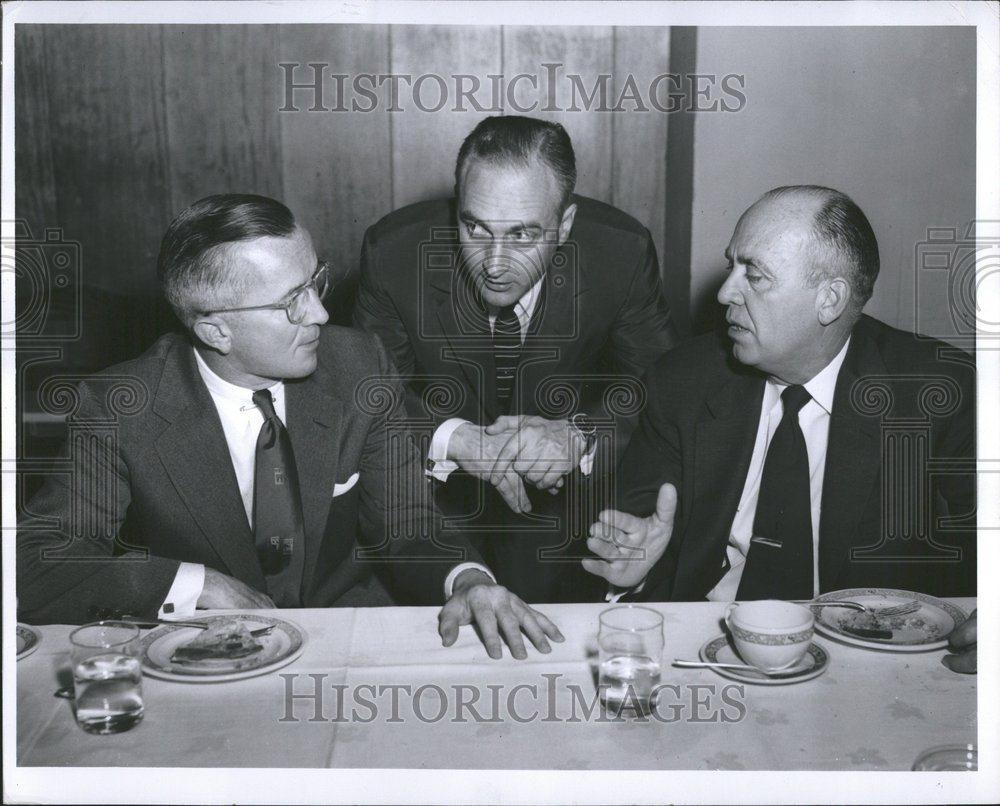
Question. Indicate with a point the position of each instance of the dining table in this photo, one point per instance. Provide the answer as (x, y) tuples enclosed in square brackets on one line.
[(375, 688)]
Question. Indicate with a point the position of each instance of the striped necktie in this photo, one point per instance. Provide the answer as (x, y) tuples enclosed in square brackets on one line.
[(506, 355)]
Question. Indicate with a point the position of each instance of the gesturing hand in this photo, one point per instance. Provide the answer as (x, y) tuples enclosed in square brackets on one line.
[(629, 546), (222, 592), (962, 642), (540, 451), (476, 453), (478, 599)]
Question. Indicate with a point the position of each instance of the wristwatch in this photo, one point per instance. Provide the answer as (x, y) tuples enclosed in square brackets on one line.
[(586, 428)]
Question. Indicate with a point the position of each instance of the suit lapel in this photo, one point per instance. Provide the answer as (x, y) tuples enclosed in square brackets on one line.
[(195, 455), (315, 422), (853, 461), (465, 327), (723, 448), (548, 345)]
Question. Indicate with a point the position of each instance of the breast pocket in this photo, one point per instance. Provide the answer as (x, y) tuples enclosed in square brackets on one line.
[(341, 488)]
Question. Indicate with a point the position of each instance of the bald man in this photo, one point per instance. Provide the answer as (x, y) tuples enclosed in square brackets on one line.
[(802, 451)]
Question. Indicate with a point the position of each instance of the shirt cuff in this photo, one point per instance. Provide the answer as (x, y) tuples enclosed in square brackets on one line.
[(449, 581), (183, 594), (438, 464), (616, 593)]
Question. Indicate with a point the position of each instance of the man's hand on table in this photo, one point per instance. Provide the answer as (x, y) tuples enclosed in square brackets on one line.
[(494, 610), (222, 592), (629, 546), (540, 451), (476, 453), (962, 643)]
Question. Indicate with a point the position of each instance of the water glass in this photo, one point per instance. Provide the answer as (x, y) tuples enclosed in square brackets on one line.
[(630, 643), (107, 677)]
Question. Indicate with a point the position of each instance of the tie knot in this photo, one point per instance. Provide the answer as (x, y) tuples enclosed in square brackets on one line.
[(793, 399), (507, 315), (262, 399)]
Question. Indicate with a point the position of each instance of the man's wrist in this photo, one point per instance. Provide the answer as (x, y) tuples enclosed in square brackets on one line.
[(469, 578), (465, 442), (584, 430)]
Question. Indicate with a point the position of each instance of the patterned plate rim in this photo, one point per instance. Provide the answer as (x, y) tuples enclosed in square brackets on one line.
[(954, 612), (293, 632), (709, 652), (32, 639)]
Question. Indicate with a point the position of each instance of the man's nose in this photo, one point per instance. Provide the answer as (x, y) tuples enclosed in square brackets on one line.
[(495, 259), (317, 314), (730, 293)]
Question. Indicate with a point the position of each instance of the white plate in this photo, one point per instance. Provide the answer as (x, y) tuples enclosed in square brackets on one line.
[(719, 650), (281, 646), (926, 629), (28, 639)]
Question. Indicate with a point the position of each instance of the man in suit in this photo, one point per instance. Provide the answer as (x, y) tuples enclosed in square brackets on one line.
[(813, 448), (239, 465), (522, 317)]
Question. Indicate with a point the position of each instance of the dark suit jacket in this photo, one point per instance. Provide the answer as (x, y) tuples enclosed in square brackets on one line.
[(152, 484), (899, 465), (600, 322)]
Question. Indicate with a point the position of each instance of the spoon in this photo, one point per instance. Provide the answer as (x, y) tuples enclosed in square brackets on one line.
[(700, 664)]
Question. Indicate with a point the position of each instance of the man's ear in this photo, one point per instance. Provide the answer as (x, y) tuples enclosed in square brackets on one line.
[(214, 333), (832, 300), (566, 224)]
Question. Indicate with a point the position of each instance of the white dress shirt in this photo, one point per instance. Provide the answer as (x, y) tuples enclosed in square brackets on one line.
[(814, 420), (241, 422)]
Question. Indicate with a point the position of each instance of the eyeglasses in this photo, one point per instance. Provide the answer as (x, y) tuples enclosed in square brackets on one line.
[(296, 304)]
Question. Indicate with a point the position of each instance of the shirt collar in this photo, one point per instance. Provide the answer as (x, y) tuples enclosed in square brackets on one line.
[(822, 385), (525, 307), (221, 388)]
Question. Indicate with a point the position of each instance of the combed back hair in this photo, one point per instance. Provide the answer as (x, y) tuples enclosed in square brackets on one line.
[(193, 266), (514, 140), (842, 227)]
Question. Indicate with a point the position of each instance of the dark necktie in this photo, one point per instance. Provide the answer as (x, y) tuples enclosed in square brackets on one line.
[(506, 355), (277, 509), (779, 564)]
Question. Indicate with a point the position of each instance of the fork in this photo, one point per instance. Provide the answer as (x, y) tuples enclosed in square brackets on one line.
[(896, 610), (201, 625)]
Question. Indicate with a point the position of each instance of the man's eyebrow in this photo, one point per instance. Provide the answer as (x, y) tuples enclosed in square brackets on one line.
[(300, 286), (468, 217)]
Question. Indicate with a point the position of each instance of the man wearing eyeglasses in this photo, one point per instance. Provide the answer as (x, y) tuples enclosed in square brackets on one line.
[(239, 466)]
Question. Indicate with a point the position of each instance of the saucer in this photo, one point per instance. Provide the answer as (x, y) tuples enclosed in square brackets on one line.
[(719, 650), (28, 639)]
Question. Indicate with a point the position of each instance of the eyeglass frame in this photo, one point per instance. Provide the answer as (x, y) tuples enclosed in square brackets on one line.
[(291, 297)]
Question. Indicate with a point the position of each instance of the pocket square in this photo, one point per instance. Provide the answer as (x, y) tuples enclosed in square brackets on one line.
[(340, 489)]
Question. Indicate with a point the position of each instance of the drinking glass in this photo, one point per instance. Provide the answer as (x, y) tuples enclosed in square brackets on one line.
[(949, 757), (630, 643), (106, 676)]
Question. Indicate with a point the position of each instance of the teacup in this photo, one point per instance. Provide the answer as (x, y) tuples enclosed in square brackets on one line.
[(770, 634)]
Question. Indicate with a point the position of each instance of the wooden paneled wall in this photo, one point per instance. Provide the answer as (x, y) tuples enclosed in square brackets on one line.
[(120, 127)]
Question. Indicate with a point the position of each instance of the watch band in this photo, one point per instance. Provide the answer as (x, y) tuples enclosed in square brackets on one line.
[(585, 427)]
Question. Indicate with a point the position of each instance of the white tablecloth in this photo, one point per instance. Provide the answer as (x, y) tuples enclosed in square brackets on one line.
[(871, 710)]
